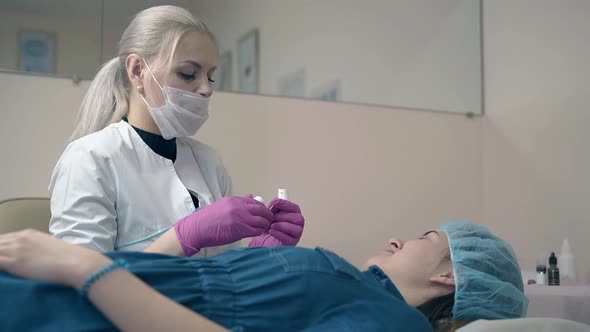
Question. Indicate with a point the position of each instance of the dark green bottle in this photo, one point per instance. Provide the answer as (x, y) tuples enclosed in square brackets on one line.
[(553, 271)]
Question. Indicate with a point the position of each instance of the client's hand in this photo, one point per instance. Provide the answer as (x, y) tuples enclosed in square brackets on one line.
[(228, 220), (287, 228), (35, 255)]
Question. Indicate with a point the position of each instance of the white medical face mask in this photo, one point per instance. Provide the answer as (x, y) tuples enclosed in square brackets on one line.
[(183, 113)]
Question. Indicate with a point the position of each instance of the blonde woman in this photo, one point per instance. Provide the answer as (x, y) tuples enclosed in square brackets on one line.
[(131, 178)]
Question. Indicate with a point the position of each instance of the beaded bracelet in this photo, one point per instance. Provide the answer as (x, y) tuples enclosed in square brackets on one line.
[(101, 272)]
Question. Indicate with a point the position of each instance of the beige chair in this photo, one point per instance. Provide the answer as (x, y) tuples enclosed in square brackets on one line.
[(21, 213)]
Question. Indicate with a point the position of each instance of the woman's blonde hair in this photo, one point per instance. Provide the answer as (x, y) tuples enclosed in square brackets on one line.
[(154, 34)]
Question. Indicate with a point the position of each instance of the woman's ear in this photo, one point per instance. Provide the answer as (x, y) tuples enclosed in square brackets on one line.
[(446, 280), (134, 66)]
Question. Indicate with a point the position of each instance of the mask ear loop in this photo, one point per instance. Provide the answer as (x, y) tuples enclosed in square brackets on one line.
[(152, 73), (140, 89)]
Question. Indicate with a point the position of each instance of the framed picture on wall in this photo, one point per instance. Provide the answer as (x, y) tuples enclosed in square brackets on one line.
[(248, 62), (222, 75), (37, 52)]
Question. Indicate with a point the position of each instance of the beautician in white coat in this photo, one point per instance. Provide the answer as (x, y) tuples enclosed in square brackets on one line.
[(131, 175)]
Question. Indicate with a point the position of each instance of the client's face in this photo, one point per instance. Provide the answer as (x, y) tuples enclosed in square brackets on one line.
[(416, 262)]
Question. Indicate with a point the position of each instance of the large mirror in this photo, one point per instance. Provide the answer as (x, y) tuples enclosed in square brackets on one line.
[(422, 54), (414, 54), (56, 38)]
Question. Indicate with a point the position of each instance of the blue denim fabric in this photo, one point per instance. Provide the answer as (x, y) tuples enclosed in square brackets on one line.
[(250, 289)]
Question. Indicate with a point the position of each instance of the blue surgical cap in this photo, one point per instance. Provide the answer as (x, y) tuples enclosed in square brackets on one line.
[(488, 282)]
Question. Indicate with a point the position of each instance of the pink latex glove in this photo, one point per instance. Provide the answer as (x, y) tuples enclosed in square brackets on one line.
[(287, 227), (228, 220)]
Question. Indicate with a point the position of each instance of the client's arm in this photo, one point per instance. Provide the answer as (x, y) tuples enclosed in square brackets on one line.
[(123, 298), (166, 244)]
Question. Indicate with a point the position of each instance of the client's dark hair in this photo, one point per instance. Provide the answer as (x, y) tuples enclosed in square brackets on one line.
[(439, 312), (438, 308)]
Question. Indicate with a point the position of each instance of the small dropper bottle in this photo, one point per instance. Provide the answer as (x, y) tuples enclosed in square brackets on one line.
[(553, 271)]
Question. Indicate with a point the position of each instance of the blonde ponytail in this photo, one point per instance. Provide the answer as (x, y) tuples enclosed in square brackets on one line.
[(106, 100)]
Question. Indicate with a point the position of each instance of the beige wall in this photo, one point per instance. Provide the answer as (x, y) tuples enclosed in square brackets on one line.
[(536, 140), (37, 115), (361, 174)]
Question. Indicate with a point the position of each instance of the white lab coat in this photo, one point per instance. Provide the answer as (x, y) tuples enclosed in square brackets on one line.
[(110, 191)]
